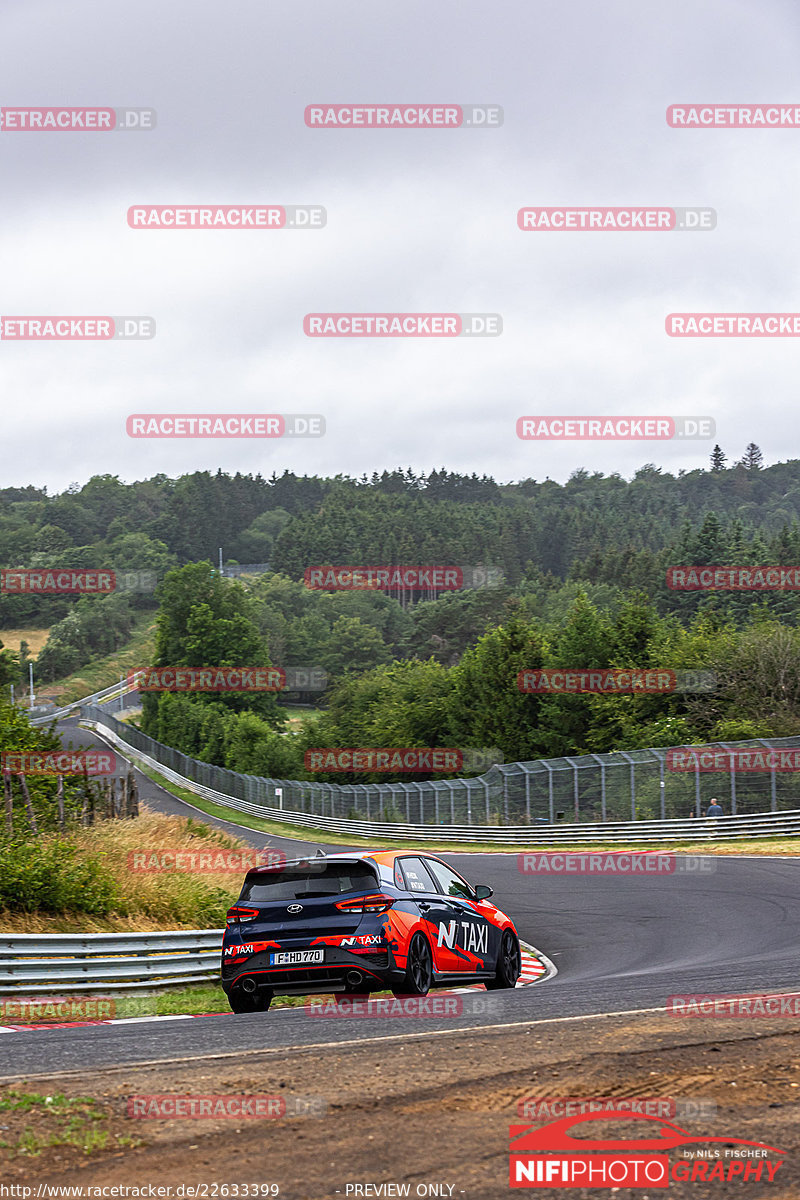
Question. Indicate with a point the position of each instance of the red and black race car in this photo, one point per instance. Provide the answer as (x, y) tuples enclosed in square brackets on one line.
[(363, 922)]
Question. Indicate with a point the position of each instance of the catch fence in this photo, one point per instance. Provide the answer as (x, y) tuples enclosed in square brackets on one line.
[(634, 785)]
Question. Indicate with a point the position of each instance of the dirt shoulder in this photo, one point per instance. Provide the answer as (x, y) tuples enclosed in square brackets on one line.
[(424, 1110)]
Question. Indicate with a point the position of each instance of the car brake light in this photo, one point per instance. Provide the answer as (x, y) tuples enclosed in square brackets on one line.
[(238, 913), (367, 904)]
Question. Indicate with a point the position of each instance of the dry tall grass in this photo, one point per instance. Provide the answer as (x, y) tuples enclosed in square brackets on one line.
[(151, 900)]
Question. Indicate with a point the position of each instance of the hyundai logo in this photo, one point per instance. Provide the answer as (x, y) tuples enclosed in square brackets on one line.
[(295, 908)]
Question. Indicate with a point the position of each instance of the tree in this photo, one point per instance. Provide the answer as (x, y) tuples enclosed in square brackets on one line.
[(718, 460), (752, 459), (487, 707)]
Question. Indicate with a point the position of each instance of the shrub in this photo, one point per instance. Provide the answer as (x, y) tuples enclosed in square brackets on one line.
[(46, 876)]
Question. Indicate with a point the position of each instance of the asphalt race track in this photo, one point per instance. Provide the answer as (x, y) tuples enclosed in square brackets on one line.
[(620, 943)]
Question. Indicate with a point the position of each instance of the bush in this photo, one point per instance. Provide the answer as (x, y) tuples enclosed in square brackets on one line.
[(45, 876)]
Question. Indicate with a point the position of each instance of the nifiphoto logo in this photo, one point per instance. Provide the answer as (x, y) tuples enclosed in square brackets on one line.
[(225, 425), (72, 120), (76, 329), (403, 116), (609, 429), (616, 219), (227, 216), (571, 1153), (415, 325)]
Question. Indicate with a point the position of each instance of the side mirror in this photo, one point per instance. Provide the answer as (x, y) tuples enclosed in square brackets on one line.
[(483, 892)]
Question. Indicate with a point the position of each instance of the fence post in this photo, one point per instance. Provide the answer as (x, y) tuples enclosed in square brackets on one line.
[(60, 799), (733, 786), (9, 802), (527, 793), (23, 783), (486, 787)]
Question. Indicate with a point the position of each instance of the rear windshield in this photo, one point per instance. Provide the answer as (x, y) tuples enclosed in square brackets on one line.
[(300, 883)]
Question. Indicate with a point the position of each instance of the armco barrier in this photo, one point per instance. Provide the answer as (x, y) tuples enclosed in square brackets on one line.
[(91, 962), (109, 693), (124, 738)]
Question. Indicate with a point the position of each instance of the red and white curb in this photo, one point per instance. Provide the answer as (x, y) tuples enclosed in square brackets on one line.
[(535, 966)]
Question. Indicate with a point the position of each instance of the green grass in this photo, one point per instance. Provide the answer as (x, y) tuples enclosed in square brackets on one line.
[(765, 846), (63, 1121), (101, 673)]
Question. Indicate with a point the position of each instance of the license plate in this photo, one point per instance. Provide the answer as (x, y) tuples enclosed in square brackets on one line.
[(291, 958)]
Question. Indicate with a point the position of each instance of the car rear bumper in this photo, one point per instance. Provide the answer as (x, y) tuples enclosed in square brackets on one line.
[(342, 970)]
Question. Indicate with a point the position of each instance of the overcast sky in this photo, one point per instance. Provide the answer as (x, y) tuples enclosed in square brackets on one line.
[(417, 221)]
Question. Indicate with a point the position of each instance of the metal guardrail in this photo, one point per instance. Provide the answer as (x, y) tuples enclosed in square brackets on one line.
[(109, 693), (65, 962), (757, 825)]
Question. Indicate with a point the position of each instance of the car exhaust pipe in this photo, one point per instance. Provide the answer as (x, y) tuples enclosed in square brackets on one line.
[(248, 985), (354, 978)]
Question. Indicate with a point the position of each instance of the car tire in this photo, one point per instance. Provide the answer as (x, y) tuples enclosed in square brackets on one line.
[(419, 968), (249, 1002), (509, 963)]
